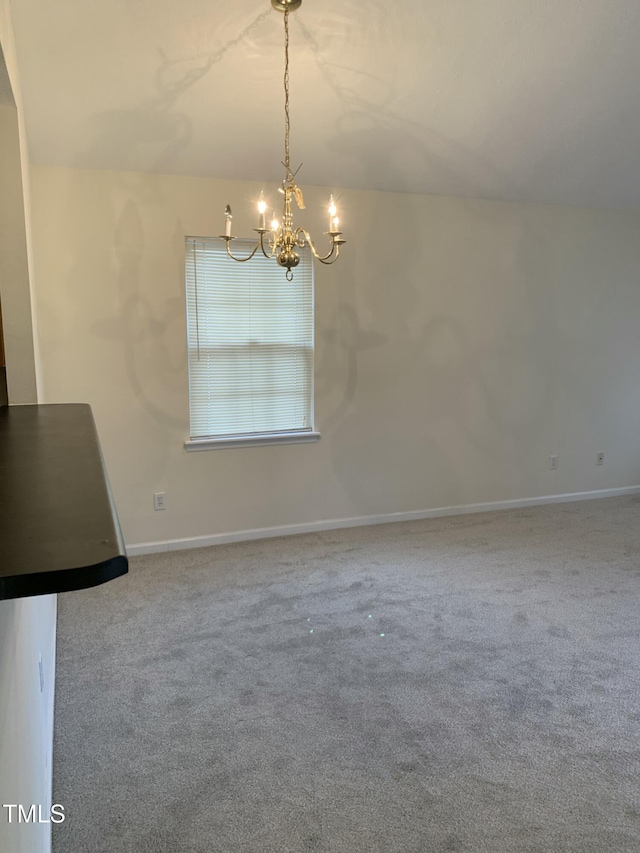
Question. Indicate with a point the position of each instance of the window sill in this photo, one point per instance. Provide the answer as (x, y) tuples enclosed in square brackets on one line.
[(251, 441)]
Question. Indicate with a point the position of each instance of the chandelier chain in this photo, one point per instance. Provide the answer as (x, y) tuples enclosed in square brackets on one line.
[(287, 162)]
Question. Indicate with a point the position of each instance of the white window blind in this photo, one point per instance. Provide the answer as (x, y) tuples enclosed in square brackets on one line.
[(250, 341)]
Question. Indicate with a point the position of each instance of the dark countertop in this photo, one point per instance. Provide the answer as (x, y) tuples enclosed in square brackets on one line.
[(59, 529)]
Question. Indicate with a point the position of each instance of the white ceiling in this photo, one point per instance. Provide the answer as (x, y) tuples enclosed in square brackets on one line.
[(535, 100)]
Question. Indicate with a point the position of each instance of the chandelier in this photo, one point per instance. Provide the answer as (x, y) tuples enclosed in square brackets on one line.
[(281, 240)]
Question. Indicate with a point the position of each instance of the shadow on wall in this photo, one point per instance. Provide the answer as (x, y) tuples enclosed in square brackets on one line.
[(142, 327), (397, 151), (472, 361), (337, 370), (156, 123)]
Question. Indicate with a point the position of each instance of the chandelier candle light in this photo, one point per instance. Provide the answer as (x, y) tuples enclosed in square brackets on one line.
[(283, 238)]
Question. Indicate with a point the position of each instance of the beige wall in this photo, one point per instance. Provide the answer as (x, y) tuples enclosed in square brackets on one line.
[(459, 343)]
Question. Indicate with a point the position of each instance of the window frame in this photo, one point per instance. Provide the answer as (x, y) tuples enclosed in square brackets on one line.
[(247, 439)]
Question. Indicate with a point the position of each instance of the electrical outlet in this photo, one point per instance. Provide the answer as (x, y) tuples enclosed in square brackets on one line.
[(600, 459), (553, 461), (158, 501)]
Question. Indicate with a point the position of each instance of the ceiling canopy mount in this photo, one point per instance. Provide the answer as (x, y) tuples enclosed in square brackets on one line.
[(283, 5)]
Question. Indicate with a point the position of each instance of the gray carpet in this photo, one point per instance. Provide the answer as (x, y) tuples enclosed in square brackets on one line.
[(457, 684)]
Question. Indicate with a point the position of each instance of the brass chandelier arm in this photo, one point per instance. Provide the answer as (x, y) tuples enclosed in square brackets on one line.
[(332, 254), (259, 245), (240, 260)]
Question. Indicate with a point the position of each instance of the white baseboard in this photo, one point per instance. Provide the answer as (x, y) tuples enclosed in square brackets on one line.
[(363, 520)]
